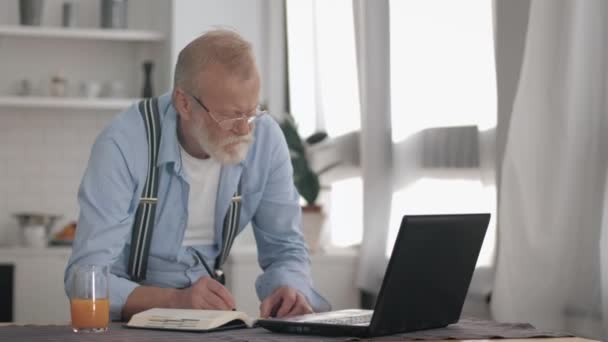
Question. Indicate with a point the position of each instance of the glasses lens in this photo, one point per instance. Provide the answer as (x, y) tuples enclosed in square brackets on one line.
[(251, 119), (227, 124)]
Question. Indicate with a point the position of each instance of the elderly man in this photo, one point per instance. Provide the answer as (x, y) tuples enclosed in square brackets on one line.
[(220, 164)]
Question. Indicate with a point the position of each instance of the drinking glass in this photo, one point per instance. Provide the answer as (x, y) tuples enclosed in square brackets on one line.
[(89, 300)]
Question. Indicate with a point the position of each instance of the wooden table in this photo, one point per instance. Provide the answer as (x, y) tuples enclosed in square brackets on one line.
[(566, 339)]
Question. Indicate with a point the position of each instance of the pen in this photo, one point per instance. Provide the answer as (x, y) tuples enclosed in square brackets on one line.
[(207, 268)]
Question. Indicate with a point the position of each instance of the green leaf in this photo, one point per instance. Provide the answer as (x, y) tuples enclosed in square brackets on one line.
[(305, 180)]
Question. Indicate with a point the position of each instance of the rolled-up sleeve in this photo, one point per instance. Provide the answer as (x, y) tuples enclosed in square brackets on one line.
[(106, 215), (282, 252)]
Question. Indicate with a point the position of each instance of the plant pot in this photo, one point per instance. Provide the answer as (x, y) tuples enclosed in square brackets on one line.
[(313, 223)]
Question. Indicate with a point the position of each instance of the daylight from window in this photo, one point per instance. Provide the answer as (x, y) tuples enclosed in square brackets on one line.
[(442, 74)]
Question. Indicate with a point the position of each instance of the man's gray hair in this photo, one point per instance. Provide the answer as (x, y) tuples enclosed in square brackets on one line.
[(216, 47)]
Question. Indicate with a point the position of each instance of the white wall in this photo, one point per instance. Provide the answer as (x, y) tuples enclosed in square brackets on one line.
[(259, 21), (43, 152), (193, 17), (42, 157)]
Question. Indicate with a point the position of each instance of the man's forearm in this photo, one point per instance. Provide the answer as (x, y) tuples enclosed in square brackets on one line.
[(147, 297)]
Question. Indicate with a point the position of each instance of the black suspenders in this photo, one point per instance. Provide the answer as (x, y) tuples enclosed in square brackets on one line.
[(230, 228), (141, 236), (145, 214)]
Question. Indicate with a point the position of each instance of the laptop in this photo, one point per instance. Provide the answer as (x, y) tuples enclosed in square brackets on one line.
[(424, 287)]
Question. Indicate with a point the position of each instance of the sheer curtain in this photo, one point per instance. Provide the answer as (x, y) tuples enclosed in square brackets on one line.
[(552, 263), (410, 113), (324, 97), (373, 62), (428, 112)]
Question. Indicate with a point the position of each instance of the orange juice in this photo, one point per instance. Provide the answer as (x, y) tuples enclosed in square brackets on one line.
[(89, 313)]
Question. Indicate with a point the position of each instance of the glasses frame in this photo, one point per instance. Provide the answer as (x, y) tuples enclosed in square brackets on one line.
[(229, 124)]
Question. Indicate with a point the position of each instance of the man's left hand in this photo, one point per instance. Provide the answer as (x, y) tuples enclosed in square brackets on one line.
[(284, 302)]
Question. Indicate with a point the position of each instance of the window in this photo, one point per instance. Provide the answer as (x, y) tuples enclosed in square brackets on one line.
[(324, 94), (322, 62), (442, 74)]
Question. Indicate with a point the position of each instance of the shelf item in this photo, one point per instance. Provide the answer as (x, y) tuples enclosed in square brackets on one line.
[(82, 33), (65, 102)]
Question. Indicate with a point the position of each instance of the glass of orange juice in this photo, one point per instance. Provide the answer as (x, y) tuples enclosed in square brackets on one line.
[(89, 300)]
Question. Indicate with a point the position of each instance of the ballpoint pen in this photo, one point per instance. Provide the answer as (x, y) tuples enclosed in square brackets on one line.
[(212, 274), (207, 268)]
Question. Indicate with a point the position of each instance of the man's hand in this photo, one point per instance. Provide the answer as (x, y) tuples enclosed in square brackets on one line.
[(206, 293), (284, 302)]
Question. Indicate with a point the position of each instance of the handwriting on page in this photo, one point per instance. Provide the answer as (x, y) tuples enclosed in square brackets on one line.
[(171, 323)]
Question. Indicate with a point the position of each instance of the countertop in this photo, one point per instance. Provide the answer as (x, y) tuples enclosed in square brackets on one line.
[(19, 252)]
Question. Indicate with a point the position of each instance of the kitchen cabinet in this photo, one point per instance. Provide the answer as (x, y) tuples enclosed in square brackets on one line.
[(6, 292), (39, 295), (333, 273)]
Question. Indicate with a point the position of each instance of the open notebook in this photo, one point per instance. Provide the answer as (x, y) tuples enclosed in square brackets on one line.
[(190, 320)]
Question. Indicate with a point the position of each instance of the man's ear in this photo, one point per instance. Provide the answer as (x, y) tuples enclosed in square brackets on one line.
[(181, 104)]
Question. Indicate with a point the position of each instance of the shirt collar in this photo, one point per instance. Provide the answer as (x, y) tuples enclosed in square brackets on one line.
[(168, 151)]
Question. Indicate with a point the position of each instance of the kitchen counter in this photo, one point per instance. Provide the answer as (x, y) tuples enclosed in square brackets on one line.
[(9, 252), (39, 272), (38, 279)]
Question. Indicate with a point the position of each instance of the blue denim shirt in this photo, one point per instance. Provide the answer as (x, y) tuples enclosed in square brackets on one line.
[(113, 182)]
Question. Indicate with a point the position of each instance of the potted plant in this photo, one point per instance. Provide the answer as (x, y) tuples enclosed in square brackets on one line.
[(306, 181)]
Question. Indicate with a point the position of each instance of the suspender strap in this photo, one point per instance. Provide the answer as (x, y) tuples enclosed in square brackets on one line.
[(231, 226), (145, 214)]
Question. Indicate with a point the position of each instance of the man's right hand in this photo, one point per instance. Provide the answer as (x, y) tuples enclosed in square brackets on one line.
[(206, 293)]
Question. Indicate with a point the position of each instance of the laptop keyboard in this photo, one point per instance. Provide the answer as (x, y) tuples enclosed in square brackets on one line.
[(355, 320)]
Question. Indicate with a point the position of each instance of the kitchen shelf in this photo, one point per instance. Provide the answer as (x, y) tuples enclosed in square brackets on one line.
[(65, 102), (82, 33)]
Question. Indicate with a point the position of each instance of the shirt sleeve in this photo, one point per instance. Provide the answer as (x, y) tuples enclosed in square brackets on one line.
[(106, 216), (282, 252)]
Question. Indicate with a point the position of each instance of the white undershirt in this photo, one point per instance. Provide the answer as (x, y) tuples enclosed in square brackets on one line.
[(203, 176)]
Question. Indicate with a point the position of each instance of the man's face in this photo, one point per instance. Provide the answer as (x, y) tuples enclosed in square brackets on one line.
[(226, 96)]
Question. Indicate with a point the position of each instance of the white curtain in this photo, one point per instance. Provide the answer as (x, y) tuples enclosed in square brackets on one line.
[(373, 64), (553, 217), (410, 162)]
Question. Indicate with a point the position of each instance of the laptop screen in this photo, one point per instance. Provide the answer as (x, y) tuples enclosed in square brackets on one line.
[(429, 271)]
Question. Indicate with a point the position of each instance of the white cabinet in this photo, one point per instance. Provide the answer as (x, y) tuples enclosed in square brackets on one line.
[(333, 273), (39, 295)]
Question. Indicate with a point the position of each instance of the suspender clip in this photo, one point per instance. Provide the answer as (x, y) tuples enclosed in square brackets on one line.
[(148, 200)]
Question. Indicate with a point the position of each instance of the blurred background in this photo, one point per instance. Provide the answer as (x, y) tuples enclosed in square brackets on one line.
[(399, 106)]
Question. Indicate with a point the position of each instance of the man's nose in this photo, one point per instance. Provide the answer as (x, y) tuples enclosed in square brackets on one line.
[(242, 127)]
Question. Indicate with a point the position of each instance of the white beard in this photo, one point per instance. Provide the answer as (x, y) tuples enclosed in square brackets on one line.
[(218, 150)]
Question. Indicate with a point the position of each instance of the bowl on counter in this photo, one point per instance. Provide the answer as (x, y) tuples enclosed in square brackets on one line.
[(35, 227)]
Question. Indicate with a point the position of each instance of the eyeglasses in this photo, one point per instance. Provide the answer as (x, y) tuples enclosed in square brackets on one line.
[(229, 123)]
